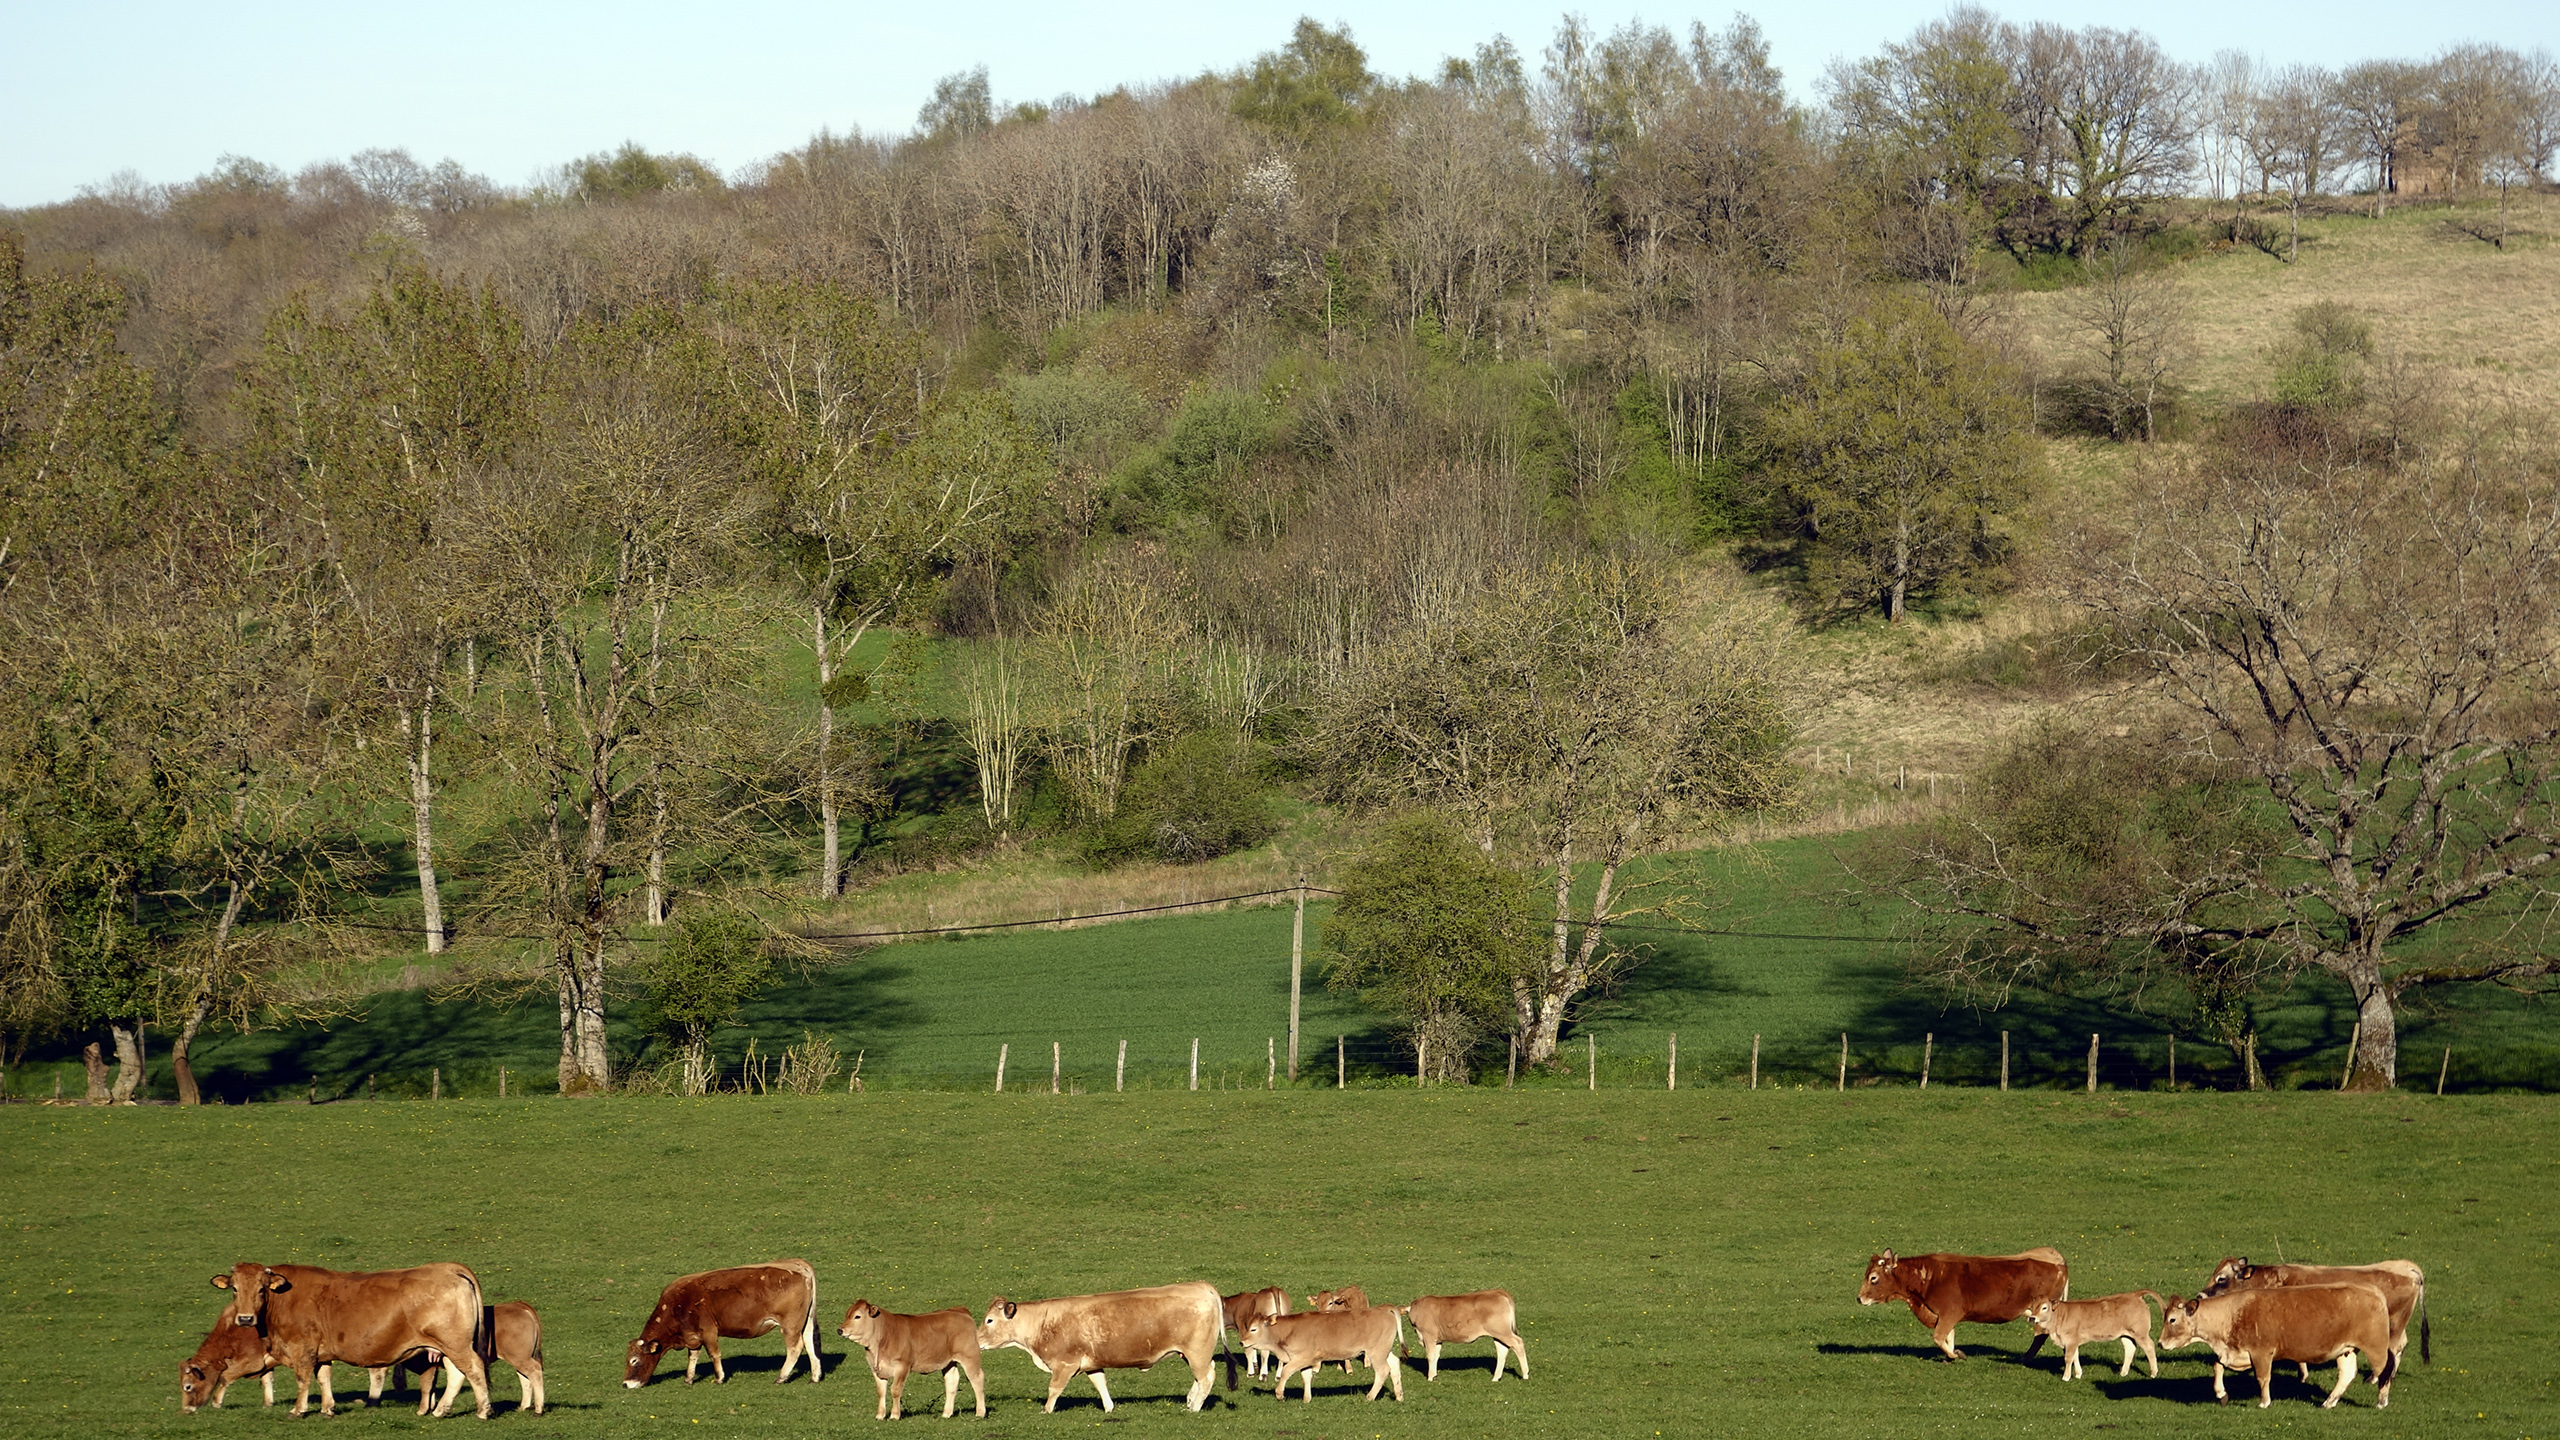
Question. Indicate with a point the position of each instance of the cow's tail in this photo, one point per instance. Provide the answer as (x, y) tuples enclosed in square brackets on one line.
[(2390, 1367), (1401, 1348), (2426, 1333), (1228, 1351), (2154, 1297), (484, 1341)]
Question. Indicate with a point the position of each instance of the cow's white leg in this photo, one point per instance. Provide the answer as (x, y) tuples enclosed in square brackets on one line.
[(302, 1390), (790, 1356), (266, 1387), (881, 1383), (2346, 1377), (328, 1394), (2127, 1367), (374, 1375), (1105, 1391), (692, 1358), (1501, 1357), (719, 1372), (2220, 1395), (1431, 1360), (950, 1390), (898, 1393)]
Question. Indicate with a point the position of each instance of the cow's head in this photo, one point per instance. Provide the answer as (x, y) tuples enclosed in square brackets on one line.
[(196, 1385), (2234, 1270), (1349, 1297), (861, 1324), (2178, 1321), (2040, 1319), (1255, 1327), (1881, 1283), (249, 1286), (641, 1361), (1002, 1326)]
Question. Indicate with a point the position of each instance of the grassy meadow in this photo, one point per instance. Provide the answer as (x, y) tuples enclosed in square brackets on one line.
[(1685, 1264)]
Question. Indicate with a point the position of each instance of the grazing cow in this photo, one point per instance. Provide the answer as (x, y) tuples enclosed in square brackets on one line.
[(312, 1317), (231, 1352), (1300, 1344), (2402, 1283), (518, 1332), (1239, 1309), (1457, 1319), (2313, 1324), (1349, 1297), (902, 1345), (1121, 1330), (1945, 1291), (696, 1312), (2071, 1324)]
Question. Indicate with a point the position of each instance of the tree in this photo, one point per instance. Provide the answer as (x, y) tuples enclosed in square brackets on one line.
[(2133, 322), (1584, 713), (708, 968), (1435, 932), (2381, 101), (1904, 445), (2367, 645), (2305, 134), (1309, 87)]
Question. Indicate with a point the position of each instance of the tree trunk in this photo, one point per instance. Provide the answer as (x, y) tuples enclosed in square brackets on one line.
[(128, 1038), (584, 1066), (97, 1067), (831, 863), (186, 1075), (422, 799), (2375, 1065), (1900, 592)]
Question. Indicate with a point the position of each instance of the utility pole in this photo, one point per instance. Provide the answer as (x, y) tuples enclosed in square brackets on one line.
[(1297, 963)]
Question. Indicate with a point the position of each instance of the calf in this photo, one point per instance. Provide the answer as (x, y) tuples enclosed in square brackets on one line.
[(2313, 1324), (1120, 1330), (1241, 1308), (312, 1317), (2071, 1324), (696, 1312), (1457, 1319), (1300, 1344), (901, 1345), (231, 1352), (1945, 1291)]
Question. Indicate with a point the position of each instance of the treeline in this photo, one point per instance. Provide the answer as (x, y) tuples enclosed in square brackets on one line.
[(1292, 417)]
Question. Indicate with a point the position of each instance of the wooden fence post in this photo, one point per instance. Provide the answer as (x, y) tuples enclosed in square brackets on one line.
[(1195, 1062), (1844, 1060), (1297, 962), (1055, 1064), (2004, 1059), (1271, 1071), (2173, 1062), (1120, 1073), (368, 1088), (2355, 1038), (1755, 1062), (1674, 1072), (435, 1082), (502, 1082), (1928, 1043), (1002, 1052), (312, 1096), (1511, 1073), (2444, 1069), (1337, 1062), (1591, 1045), (1421, 1054), (2093, 1063)]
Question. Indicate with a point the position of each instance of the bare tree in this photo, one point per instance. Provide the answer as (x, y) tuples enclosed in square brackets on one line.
[(2133, 321), (2303, 133), (2381, 101)]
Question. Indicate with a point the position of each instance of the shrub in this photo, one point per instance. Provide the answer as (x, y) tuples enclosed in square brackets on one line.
[(1196, 799)]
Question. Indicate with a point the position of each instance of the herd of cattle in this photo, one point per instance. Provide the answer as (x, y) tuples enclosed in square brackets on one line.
[(432, 1319), (2252, 1317)]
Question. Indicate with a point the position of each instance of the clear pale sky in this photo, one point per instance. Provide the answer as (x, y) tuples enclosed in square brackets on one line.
[(509, 89)]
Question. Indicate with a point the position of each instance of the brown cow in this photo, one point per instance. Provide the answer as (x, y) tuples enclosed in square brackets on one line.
[(1349, 1297), (231, 1352), (2071, 1324), (1120, 1330), (696, 1312), (312, 1317), (518, 1332), (1239, 1309), (1945, 1291), (901, 1345), (1300, 1344), (2313, 1324), (1457, 1319), (2402, 1283)]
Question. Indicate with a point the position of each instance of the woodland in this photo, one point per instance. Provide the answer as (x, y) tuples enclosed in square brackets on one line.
[(1497, 456)]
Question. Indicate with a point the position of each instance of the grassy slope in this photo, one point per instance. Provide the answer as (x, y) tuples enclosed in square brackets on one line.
[(934, 1013), (1679, 1272)]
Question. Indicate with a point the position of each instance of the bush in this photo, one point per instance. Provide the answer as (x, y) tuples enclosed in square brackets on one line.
[(1196, 799), (1433, 931)]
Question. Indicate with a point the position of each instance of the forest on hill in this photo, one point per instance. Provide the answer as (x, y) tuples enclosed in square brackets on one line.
[(1486, 455)]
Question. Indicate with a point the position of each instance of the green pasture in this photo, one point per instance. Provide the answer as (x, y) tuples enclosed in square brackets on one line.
[(1685, 1264), (1806, 961)]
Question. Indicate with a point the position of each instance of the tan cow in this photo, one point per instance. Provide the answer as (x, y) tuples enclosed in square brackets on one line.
[(518, 1332), (1945, 1291), (1300, 1344), (2314, 1324), (312, 1317), (696, 1312), (1242, 1308), (1457, 1319), (231, 1352), (2402, 1283), (2074, 1323), (902, 1345), (1349, 1297), (1120, 1330)]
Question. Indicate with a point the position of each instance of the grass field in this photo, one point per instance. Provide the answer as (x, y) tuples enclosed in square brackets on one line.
[(1685, 1264)]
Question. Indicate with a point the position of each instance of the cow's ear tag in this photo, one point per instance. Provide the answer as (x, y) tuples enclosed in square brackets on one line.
[(278, 1282)]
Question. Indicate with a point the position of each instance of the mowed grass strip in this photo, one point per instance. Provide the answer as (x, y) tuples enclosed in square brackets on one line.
[(1685, 1263)]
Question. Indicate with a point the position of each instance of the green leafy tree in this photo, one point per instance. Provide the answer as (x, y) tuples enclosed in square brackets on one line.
[(1904, 446), (632, 172), (1312, 86), (713, 961), (1437, 933), (1196, 799)]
